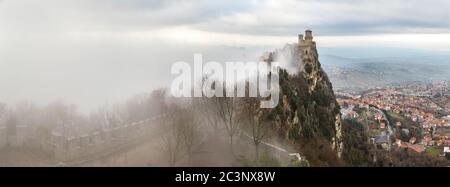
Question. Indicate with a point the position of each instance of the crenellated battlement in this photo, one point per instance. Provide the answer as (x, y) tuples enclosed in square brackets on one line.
[(306, 39)]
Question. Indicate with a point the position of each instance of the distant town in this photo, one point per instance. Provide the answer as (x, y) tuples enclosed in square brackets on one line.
[(413, 116)]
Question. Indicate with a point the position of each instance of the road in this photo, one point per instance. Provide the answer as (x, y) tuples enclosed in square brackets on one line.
[(390, 131)]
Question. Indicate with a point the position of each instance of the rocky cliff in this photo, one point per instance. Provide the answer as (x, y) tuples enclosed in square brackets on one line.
[(307, 115)]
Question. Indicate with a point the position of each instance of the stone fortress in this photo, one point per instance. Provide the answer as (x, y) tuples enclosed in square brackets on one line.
[(310, 58), (306, 52), (306, 40), (303, 57)]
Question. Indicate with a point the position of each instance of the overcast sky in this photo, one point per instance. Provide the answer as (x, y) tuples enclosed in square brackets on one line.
[(89, 52)]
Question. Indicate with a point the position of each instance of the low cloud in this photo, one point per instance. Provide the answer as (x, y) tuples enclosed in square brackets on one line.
[(92, 51)]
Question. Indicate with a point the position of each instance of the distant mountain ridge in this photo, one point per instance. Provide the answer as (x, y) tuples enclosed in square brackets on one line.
[(370, 72)]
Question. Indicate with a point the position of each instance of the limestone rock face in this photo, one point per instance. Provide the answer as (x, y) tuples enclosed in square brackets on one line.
[(307, 107), (338, 143), (311, 65), (314, 75)]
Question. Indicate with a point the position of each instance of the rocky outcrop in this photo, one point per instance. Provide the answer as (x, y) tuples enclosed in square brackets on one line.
[(308, 107)]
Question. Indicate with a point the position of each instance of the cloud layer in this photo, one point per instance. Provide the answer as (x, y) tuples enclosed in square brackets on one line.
[(92, 51)]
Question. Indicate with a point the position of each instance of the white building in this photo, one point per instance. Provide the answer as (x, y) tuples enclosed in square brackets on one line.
[(446, 150)]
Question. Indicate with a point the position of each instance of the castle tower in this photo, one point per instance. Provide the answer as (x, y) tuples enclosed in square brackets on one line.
[(310, 63), (306, 40), (300, 39), (308, 35)]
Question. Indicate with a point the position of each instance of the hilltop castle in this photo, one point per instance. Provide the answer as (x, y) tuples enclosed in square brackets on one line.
[(309, 88), (310, 58), (307, 40), (315, 75)]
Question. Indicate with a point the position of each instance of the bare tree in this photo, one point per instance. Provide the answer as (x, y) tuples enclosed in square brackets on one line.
[(3, 108), (190, 134), (158, 102), (181, 135), (138, 107), (171, 146), (107, 117), (3, 111), (63, 117), (206, 108), (225, 108), (220, 109), (254, 119)]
